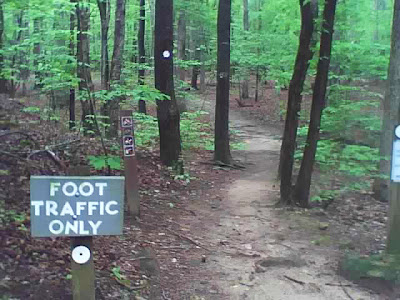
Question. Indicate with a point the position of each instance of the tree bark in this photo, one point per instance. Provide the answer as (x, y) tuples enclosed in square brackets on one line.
[(222, 150), (182, 41), (304, 55), (392, 113), (302, 188), (3, 81), (246, 27), (83, 59), (116, 66), (36, 53), (104, 8), (72, 22), (142, 51), (196, 48), (167, 110), (382, 185)]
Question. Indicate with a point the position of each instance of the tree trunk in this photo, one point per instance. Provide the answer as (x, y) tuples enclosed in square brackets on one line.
[(222, 150), (381, 185), (202, 67), (167, 110), (258, 51), (142, 52), (182, 42), (36, 53), (246, 27), (196, 49), (392, 113), (302, 189), (104, 8), (3, 81), (304, 55), (72, 53), (83, 59), (116, 65)]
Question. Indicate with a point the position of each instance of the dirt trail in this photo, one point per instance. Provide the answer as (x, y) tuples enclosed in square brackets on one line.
[(259, 251)]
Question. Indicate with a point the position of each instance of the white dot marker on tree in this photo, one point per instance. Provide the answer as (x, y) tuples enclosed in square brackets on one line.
[(166, 54)]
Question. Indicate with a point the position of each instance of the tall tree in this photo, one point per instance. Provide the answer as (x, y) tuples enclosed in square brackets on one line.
[(104, 8), (196, 50), (72, 53), (116, 65), (392, 113), (142, 51), (167, 110), (3, 81), (302, 188), (36, 52), (83, 60), (182, 41), (246, 27), (305, 53), (222, 150), (382, 184)]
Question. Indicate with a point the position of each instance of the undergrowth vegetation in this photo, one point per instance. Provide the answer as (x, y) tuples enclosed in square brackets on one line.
[(381, 266), (196, 134), (348, 148)]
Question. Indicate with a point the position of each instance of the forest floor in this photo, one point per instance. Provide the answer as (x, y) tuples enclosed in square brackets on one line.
[(218, 237)]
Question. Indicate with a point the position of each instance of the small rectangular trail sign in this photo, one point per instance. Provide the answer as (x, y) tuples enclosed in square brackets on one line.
[(76, 206)]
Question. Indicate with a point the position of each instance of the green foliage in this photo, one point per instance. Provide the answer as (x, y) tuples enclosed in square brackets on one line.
[(194, 133), (32, 109), (100, 162), (11, 216), (380, 266), (146, 130), (116, 272), (325, 195)]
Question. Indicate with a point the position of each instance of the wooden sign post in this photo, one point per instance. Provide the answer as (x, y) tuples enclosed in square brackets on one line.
[(79, 207), (130, 163), (83, 276)]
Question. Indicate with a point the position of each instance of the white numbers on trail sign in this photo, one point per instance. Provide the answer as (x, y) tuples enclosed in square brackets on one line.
[(76, 206)]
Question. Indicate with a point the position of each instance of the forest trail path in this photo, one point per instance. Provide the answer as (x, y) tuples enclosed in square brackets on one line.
[(260, 252)]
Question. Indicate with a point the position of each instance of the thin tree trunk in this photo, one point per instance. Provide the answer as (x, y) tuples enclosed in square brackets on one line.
[(167, 110), (258, 51), (304, 55), (83, 59), (3, 81), (72, 53), (302, 188), (104, 8), (202, 67), (196, 49), (142, 52), (222, 150), (246, 27), (392, 101), (257, 83), (17, 41), (36, 53), (116, 65), (182, 42)]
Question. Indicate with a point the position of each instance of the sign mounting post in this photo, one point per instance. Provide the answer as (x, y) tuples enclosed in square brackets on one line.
[(130, 162)]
